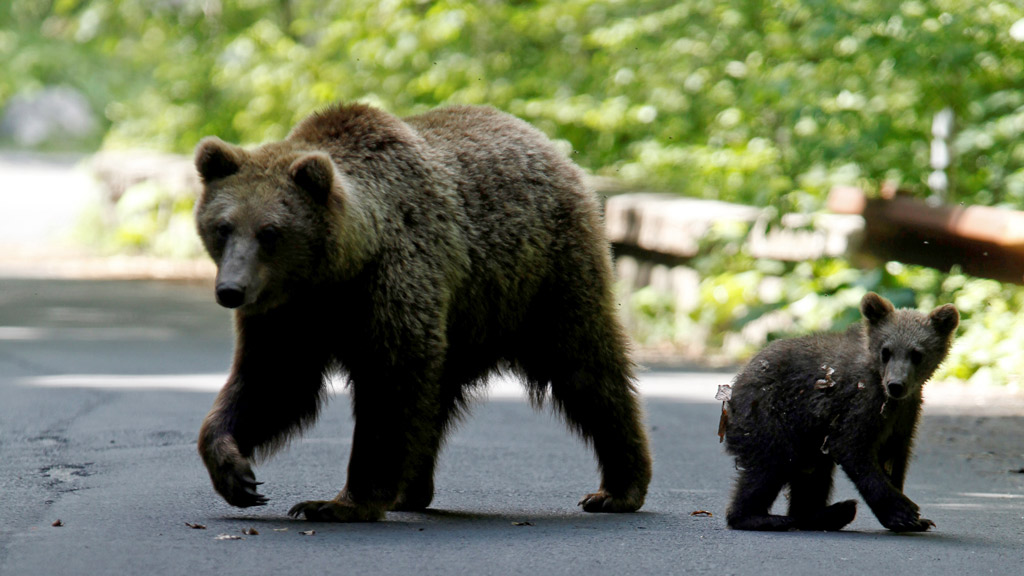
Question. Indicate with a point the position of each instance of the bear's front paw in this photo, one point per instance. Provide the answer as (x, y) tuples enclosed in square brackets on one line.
[(336, 511), (917, 525), (231, 474), (603, 501), (238, 486), (907, 519)]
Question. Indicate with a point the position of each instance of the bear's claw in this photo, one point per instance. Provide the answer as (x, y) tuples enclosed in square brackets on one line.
[(244, 494), (239, 487)]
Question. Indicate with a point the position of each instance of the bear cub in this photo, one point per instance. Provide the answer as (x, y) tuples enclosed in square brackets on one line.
[(416, 256), (803, 405)]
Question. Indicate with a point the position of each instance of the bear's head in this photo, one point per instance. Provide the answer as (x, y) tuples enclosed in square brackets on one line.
[(267, 217), (906, 345)]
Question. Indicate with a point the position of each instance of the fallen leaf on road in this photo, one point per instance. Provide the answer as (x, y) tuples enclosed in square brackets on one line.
[(227, 537), (308, 532), (522, 523), (701, 513), (57, 523), (195, 526), (250, 532)]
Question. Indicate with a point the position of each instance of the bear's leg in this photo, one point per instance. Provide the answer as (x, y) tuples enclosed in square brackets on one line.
[(591, 384), (573, 342), (892, 508), (894, 456), (756, 490), (809, 492), (605, 409), (275, 388), (417, 489), (394, 424)]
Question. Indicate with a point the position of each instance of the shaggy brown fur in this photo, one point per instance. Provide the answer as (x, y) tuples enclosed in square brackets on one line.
[(805, 404), (417, 256)]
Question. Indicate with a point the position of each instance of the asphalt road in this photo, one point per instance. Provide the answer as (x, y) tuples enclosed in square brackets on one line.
[(103, 386)]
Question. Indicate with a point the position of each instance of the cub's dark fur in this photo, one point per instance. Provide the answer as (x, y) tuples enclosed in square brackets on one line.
[(417, 256), (804, 405)]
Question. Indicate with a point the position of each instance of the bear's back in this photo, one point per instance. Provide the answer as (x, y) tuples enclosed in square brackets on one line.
[(793, 361), (475, 186), (792, 388), (350, 130), (500, 160)]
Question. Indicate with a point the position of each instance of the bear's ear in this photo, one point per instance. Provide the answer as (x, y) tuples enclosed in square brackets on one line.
[(216, 159), (875, 308), (945, 319), (314, 173)]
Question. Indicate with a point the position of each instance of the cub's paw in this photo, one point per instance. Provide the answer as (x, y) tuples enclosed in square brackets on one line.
[(906, 519), (335, 511), (918, 525), (602, 501), (768, 522), (838, 515)]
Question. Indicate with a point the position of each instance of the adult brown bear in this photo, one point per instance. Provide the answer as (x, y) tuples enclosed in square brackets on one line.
[(417, 256)]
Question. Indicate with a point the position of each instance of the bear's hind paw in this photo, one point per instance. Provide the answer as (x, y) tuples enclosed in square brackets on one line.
[(602, 501), (334, 511)]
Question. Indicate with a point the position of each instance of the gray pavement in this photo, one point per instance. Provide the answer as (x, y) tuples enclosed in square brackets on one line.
[(103, 386)]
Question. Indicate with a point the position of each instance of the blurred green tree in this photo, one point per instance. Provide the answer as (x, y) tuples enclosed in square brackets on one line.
[(756, 101)]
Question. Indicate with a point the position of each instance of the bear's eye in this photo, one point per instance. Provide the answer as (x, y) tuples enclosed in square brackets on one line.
[(223, 230), (916, 356), (886, 355), (268, 237)]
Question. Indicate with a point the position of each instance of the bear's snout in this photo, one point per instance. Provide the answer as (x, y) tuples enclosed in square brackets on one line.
[(230, 294), (896, 389)]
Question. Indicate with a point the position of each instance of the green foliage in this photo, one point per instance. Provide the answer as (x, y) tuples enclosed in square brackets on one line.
[(761, 102), (148, 218), (741, 308)]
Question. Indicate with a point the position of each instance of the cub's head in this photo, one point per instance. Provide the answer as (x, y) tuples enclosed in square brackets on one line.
[(265, 216), (906, 345)]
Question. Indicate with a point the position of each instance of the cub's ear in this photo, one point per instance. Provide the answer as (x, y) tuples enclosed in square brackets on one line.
[(216, 159), (875, 308), (314, 173), (945, 319)]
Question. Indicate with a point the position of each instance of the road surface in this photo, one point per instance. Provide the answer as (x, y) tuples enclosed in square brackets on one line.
[(103, 386)]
